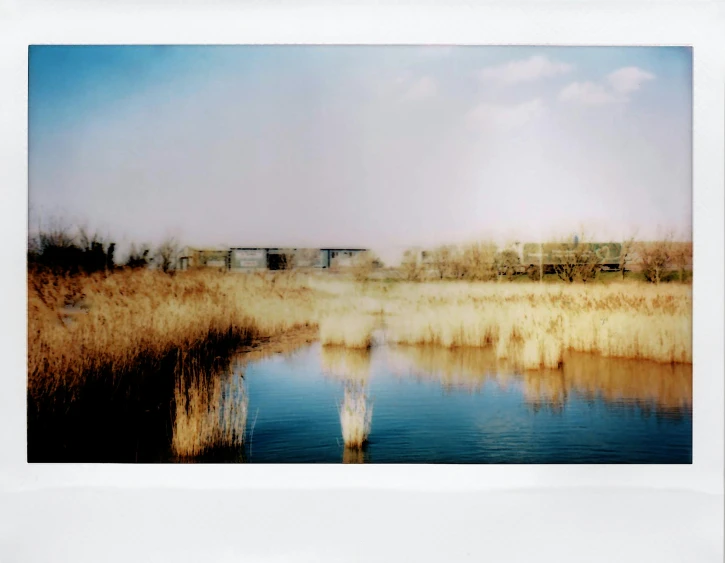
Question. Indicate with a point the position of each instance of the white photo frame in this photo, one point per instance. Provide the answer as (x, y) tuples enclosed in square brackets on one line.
[(566, 513)]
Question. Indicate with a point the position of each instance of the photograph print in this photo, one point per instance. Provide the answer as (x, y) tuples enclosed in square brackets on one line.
[(429, 254)]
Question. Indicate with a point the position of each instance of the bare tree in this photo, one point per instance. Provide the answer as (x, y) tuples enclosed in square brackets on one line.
[(63, 251), (479, 261), (411, 266), (94, 250), (574, 259), (625, 256), (507, 263), (364, 264), (534, 273), (138, 257), (682, 258), (655, 258), (440, 261), (456, 265), (166, 255)]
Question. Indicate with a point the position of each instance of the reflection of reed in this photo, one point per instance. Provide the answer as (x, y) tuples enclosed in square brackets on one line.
[(356, 416), (545, 389), (665, 386), (211, 412), (348, 364), (455, 368), (286, 345), (353, 455)]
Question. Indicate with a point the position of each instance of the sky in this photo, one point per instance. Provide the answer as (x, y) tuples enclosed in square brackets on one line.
[(380, 147)]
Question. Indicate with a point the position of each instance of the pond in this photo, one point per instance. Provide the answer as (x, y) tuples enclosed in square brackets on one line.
[(435, 405)]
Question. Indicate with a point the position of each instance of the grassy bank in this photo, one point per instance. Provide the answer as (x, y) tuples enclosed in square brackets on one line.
[(94, 326), (105, 350), (121, 320), (109, 347), (534, 323)]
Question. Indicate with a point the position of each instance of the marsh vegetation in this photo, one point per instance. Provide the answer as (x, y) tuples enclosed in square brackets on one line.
[(113, 345)]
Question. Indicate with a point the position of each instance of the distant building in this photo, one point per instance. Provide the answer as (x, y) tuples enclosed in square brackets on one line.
[(203, 258), (340, 257), (242, 259)]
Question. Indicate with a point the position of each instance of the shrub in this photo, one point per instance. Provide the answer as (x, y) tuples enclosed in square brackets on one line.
[(507, 263), (655, 258), (411, 266)]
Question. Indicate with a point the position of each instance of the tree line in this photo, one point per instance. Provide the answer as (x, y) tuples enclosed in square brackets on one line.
[(62, 251), (570, 260)]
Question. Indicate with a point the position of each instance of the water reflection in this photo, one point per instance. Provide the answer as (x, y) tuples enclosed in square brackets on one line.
[(352, 367), (211, 407), (665, 389), (455, 368), (346, 364), (668, 386), (592, 410), (351, 455)]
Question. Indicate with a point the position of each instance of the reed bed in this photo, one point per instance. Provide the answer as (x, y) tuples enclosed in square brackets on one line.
[(539, 323), (352, 330), (211, 413), (103, 327), (356, 416), (132, 319)]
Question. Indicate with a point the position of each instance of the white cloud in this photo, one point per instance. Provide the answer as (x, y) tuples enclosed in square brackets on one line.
[(526, 70), (587, 93), (506, 116), (425, 87), (616, 88), (628, 79)]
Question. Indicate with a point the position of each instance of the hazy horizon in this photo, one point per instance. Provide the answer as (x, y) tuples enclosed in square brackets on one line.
[(375, 147)]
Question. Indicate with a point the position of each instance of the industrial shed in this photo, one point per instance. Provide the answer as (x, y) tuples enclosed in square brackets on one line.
[(340, 257), (242, 259), (203, 258)]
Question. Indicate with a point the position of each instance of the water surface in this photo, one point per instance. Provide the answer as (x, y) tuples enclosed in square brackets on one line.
[(458, 406)]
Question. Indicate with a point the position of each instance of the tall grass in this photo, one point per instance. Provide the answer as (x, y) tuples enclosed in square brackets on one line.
[(211, 413), (349, 330), (114, 342), (538, 323), (356, 416), (106, 336), (124, 320), (140, 318)]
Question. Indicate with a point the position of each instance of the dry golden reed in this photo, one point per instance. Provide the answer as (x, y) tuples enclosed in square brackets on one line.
[(124, 319), (540, 322), (348, 330), (355, 417), (137, 317), (211, 412)]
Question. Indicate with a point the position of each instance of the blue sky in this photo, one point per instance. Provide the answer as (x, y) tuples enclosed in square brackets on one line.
[(369, 146)]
